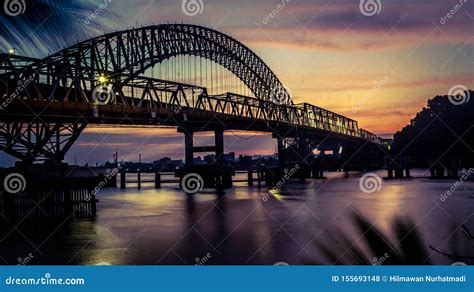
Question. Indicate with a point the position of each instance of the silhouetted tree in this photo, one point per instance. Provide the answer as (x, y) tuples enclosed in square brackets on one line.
[(442, 131)]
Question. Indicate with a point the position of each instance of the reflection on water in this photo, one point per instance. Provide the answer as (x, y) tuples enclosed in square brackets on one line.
[(246, 225)]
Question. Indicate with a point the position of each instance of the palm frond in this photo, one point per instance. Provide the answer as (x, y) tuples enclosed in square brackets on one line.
[(409, 248)]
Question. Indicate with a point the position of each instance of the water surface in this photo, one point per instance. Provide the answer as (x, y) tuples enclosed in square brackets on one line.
[(246, 225)]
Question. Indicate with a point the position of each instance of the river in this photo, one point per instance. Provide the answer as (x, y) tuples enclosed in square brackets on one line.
[(249, 225)]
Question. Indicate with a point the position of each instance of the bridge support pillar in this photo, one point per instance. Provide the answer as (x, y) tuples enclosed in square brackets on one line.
[(360, 156), (218, 147), (213, 175), (188, 148), (219, 142), (281, 150)]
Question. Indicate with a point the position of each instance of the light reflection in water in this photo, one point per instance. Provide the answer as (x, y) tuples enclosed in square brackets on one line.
[(165, 226)]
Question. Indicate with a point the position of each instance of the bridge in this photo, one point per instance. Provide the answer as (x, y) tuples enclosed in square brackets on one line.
[(205, 81)]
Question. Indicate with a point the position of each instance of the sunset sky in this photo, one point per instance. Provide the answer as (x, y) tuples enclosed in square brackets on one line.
[(379, 70)]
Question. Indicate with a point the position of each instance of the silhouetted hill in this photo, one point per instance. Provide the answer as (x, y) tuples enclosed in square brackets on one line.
[(443, 130)]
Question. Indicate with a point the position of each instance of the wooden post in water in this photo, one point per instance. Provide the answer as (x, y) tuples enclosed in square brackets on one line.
[(390, 172), (398, 172), (315, 173), (157, 180), (68, 200), (123, 177), (92, 202), (139, 178), (250, 177)]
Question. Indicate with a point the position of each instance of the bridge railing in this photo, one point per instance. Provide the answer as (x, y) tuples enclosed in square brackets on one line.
[(156, 93), (249, 107)]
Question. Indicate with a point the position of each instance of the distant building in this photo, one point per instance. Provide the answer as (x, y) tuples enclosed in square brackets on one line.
[(167, 164), (229, 158)]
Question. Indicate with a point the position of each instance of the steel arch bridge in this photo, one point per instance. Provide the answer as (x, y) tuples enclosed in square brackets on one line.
[(46, 103)]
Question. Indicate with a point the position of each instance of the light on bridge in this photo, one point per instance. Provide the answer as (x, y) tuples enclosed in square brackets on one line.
[(102, 79), (11, 51)]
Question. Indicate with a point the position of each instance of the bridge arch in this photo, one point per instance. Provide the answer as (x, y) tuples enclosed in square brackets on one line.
[(61, 88), (127, 54)]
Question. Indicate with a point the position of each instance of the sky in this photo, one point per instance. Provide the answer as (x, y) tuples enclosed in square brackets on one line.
[(376, 66)]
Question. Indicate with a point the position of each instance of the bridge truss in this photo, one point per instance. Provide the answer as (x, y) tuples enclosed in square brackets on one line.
[(48, 102)]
